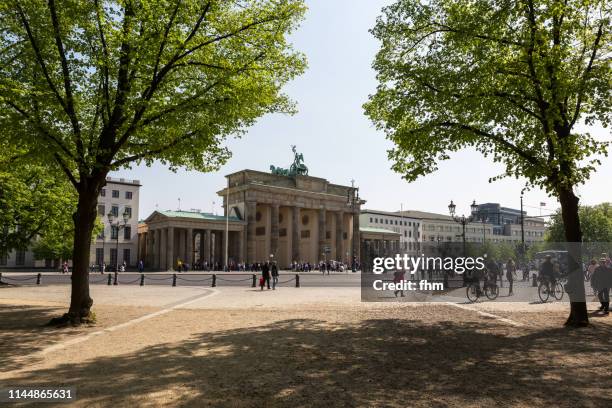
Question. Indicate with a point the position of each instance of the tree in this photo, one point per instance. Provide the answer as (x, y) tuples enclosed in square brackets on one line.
[(35, 203), (596, 225), (510, 79), (101, 85)]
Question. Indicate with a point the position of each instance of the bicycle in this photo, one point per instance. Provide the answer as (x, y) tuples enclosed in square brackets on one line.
[(544, 290), (490, 290)]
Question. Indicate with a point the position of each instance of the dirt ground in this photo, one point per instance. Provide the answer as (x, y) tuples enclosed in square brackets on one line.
[(302, 348)]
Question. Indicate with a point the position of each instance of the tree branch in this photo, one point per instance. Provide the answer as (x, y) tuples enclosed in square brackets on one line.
[(70, 110)]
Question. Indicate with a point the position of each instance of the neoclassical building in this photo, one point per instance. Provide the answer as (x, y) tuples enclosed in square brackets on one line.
[(285, 215)]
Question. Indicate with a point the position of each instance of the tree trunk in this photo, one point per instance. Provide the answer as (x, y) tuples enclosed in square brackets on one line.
[(571, 223), (84, 221)]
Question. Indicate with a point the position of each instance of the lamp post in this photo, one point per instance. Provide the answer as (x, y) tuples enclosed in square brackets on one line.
[(463, 220), (119, 227), (353, 201)]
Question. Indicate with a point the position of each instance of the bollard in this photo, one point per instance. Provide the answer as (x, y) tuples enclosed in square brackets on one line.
[(214, 281), (38, 278), (254, 281), (174, 279), (109, 280), (142, 279), (297, 280), (534, 283), (115, 281)]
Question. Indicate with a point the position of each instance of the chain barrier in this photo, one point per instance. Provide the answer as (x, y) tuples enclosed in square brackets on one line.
[(287, 281), (194, 280), (98, 281), (20, 279), (130, 282), (234, 280), (158, 279)]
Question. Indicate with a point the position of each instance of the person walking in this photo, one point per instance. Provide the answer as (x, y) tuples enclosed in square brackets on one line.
[(602, 281), (65, 267), (140, 266), (510, 274), (274, 275), (265, 274), (398, 279)]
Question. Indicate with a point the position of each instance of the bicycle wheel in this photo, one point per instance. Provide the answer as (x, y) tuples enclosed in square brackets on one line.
[(472, 292), (491, 291), (558, 293), (543, 292)]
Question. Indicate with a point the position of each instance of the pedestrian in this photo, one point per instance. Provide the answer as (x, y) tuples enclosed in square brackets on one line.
[(398, 279), (274, 275), (601, 282), (591, 268), (65, 267), (179, 265), (265, 274), (510, 273)]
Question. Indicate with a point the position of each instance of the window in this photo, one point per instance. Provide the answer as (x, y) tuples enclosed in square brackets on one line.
[(114, 232), (101, 210), (386, 221), (127, 232), (128, 195), (128, 210), (126, 256), (115, 193), (20, 257), (305, 233), (99, 256), (327, 234), (259, 231), (375, 220), (103, 192), (101, 234), (115, 210), (282, 232), (371, 220)]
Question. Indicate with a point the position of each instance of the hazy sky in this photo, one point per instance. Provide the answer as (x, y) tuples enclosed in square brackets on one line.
[(338, 141)]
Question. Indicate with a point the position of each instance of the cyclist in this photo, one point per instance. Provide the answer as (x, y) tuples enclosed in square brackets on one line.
[(547, 273)]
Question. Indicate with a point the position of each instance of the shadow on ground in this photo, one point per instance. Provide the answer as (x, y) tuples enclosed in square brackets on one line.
[(386, 362)]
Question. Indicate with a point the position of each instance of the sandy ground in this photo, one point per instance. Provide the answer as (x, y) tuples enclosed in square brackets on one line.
[(238, 347)]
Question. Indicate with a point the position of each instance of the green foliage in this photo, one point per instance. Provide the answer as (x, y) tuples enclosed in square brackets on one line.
[(596, 223), (99, 85), (508, 78), (36, 202)]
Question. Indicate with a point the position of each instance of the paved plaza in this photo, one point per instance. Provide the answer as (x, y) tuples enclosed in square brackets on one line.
[(236, 346)]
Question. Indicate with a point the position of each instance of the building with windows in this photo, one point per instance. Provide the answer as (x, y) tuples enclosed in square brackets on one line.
[(119, 196), (406, 228)]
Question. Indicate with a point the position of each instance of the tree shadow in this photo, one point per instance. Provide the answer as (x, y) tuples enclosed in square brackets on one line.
[(377, 362)]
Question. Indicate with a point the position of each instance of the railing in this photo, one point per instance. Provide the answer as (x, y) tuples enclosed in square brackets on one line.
[(114, 278)]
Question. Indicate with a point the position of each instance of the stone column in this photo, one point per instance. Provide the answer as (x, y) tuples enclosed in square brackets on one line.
[(207, 240), (322, 233), (163, 249), (224, 242), (149, 251), (157, 249), (295, 234), (170, 262), (189, 247), (251, 222), (274, 230), (180, 253), (242, 239), (339, 236), (356, 237)]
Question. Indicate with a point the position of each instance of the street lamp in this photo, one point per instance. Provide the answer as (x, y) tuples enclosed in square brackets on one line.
[(463, 220), (354, 201), (118, 226)]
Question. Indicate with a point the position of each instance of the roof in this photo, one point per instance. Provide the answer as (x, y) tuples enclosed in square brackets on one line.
[(377, 230), (196, 215), (387, 213), (426, 215)]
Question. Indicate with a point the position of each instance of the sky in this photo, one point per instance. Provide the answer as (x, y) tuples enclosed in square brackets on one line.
[(339, 142)]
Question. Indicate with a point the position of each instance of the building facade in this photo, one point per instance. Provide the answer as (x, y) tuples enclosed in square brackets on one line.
[(117, 245), (118, 196), (407, 228), (284, 217)]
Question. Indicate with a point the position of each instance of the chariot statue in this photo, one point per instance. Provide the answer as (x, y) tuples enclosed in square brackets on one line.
[(297, 167)]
